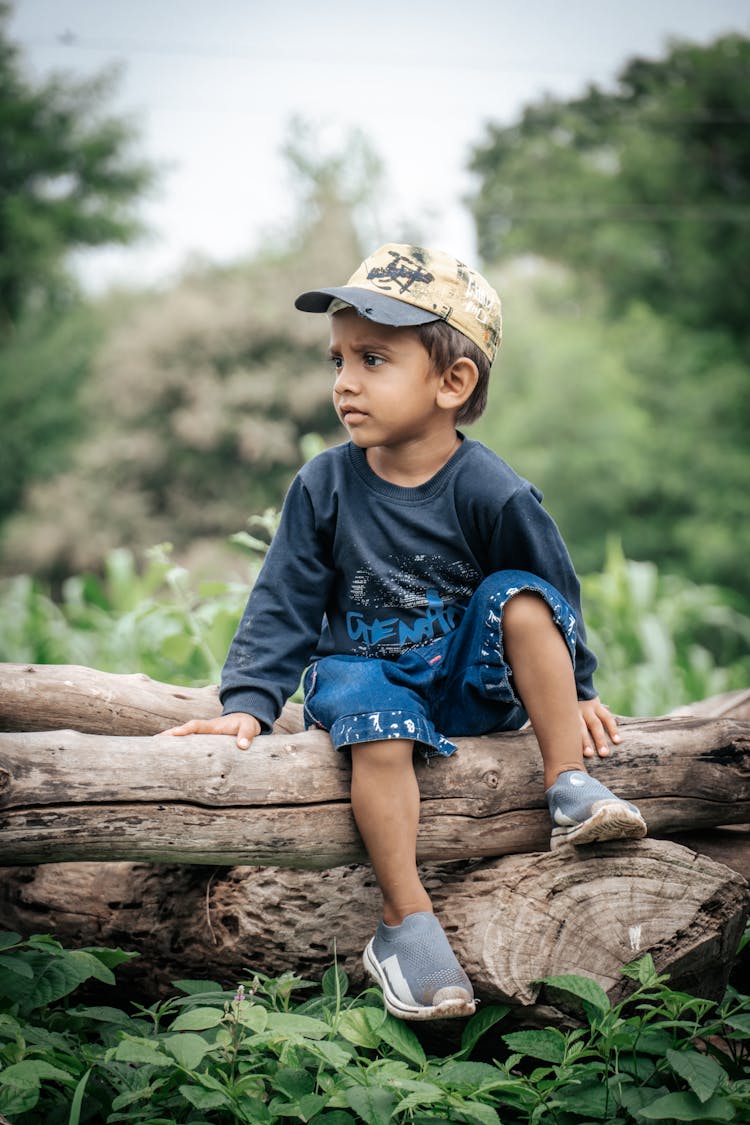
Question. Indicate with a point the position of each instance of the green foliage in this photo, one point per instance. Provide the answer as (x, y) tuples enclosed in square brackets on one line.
[(645, 187), (199, 403), (43, 367), (155, 621), (262, 1055), (633, 427), (662, 641), (67, 180), (634, 404)]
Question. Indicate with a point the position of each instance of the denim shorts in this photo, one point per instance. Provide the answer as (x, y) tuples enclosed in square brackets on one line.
[(456, 685)]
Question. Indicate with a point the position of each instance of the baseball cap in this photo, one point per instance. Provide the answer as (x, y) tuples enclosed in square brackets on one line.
[(403, 285)]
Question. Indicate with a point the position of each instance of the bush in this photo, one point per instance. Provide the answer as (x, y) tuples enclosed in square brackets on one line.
[(256, 1055), (662, 641)]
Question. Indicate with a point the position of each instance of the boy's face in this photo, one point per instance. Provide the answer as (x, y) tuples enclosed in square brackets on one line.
[(385, 386)]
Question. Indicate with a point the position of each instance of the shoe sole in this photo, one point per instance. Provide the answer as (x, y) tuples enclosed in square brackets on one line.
[(451, 1002), (612, 820)]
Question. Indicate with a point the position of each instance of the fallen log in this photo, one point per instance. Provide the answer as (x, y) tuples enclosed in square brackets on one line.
[(71, 697), (511, 920), (102, 795), (71, 796)]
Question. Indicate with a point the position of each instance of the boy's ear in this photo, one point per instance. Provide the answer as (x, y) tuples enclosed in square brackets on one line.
[(457, 384)]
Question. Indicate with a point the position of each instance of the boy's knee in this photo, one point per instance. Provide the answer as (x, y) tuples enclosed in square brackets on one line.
[(387, 753), (526, 610)]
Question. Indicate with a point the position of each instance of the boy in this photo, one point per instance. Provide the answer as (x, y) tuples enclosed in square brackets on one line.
[(429, 594)]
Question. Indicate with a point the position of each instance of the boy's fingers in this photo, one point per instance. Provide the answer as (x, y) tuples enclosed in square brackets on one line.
[(588, 749), (610, 723), (247, 732), (186, 728)]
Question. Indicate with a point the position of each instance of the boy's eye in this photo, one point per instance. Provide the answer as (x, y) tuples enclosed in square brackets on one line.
[(371, 360), (336, 362)]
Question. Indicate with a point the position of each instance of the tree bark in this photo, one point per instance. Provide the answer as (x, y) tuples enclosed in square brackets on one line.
[(106, 791), (511, 920), (70, 697), (71, 796)]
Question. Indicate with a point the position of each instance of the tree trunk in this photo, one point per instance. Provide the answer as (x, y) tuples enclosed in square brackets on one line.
[(103, 791), (511, 920), (71, 796)]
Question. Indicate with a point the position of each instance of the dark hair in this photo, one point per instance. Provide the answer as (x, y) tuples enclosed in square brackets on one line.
[(445, 345)]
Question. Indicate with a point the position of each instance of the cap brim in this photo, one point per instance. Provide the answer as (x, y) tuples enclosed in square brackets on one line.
[(375, 306)]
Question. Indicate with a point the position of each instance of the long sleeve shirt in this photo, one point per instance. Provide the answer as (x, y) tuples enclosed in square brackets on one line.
[(364, 567)]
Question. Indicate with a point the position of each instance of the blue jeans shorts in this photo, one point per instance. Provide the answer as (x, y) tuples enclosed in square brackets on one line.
[(456, 685)]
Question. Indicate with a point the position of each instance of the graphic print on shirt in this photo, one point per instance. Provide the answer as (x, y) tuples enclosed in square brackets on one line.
[(412, 601)]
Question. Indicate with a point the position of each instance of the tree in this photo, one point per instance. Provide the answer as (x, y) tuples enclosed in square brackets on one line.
[(206, 397), (67, 180), (646, 188), (643, 193)]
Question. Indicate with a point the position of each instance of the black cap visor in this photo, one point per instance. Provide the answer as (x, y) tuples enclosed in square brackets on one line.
[(375, 306)]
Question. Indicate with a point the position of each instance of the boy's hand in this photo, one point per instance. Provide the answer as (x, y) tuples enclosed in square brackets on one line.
[(598, 724), (246, 727)]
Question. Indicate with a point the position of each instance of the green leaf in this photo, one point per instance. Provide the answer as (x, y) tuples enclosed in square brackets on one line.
[(334, 1117), (585, 1099), (361, 1026), (18, 1099), (470, 1076), (201, 1098), (141, 1051), (419, 1093), (30, 1072), (398, 1034), (481, 1023), (583, 987), (196, 987), (8, 938), (687, 1107), (547, 1044), (111, 958), (250, 1015), (16, 964), (293, 1081), (187, 1048), (286, 1023), (477, 1111), (333, 1054), (703, 1074), (372, 1103), (75, 1106), (101, 1013), (197, 1019), (335, 982), (739, 1022), (310, 1104)]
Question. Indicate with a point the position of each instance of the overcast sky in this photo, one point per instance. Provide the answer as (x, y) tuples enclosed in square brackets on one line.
[(212, 84)]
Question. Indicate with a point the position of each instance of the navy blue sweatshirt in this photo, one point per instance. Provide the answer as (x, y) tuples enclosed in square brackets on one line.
[(364, 567)]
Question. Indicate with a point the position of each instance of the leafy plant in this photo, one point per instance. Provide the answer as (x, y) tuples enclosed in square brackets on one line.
[(662, 641), (259, 1055)]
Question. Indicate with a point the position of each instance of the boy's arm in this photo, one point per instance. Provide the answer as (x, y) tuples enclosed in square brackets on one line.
[(279, 629)]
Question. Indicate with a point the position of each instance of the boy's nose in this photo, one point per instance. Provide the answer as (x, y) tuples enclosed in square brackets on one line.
[(345, 380)]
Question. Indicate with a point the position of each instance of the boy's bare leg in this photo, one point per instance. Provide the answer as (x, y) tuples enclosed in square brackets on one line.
[(409, 955), (385, 803), (545, 683), (583, 810)]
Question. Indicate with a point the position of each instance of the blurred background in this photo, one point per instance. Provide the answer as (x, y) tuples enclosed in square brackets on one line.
[(173, 173)]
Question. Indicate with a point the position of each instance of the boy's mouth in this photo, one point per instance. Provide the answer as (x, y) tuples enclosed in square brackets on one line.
[(351, 414)]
